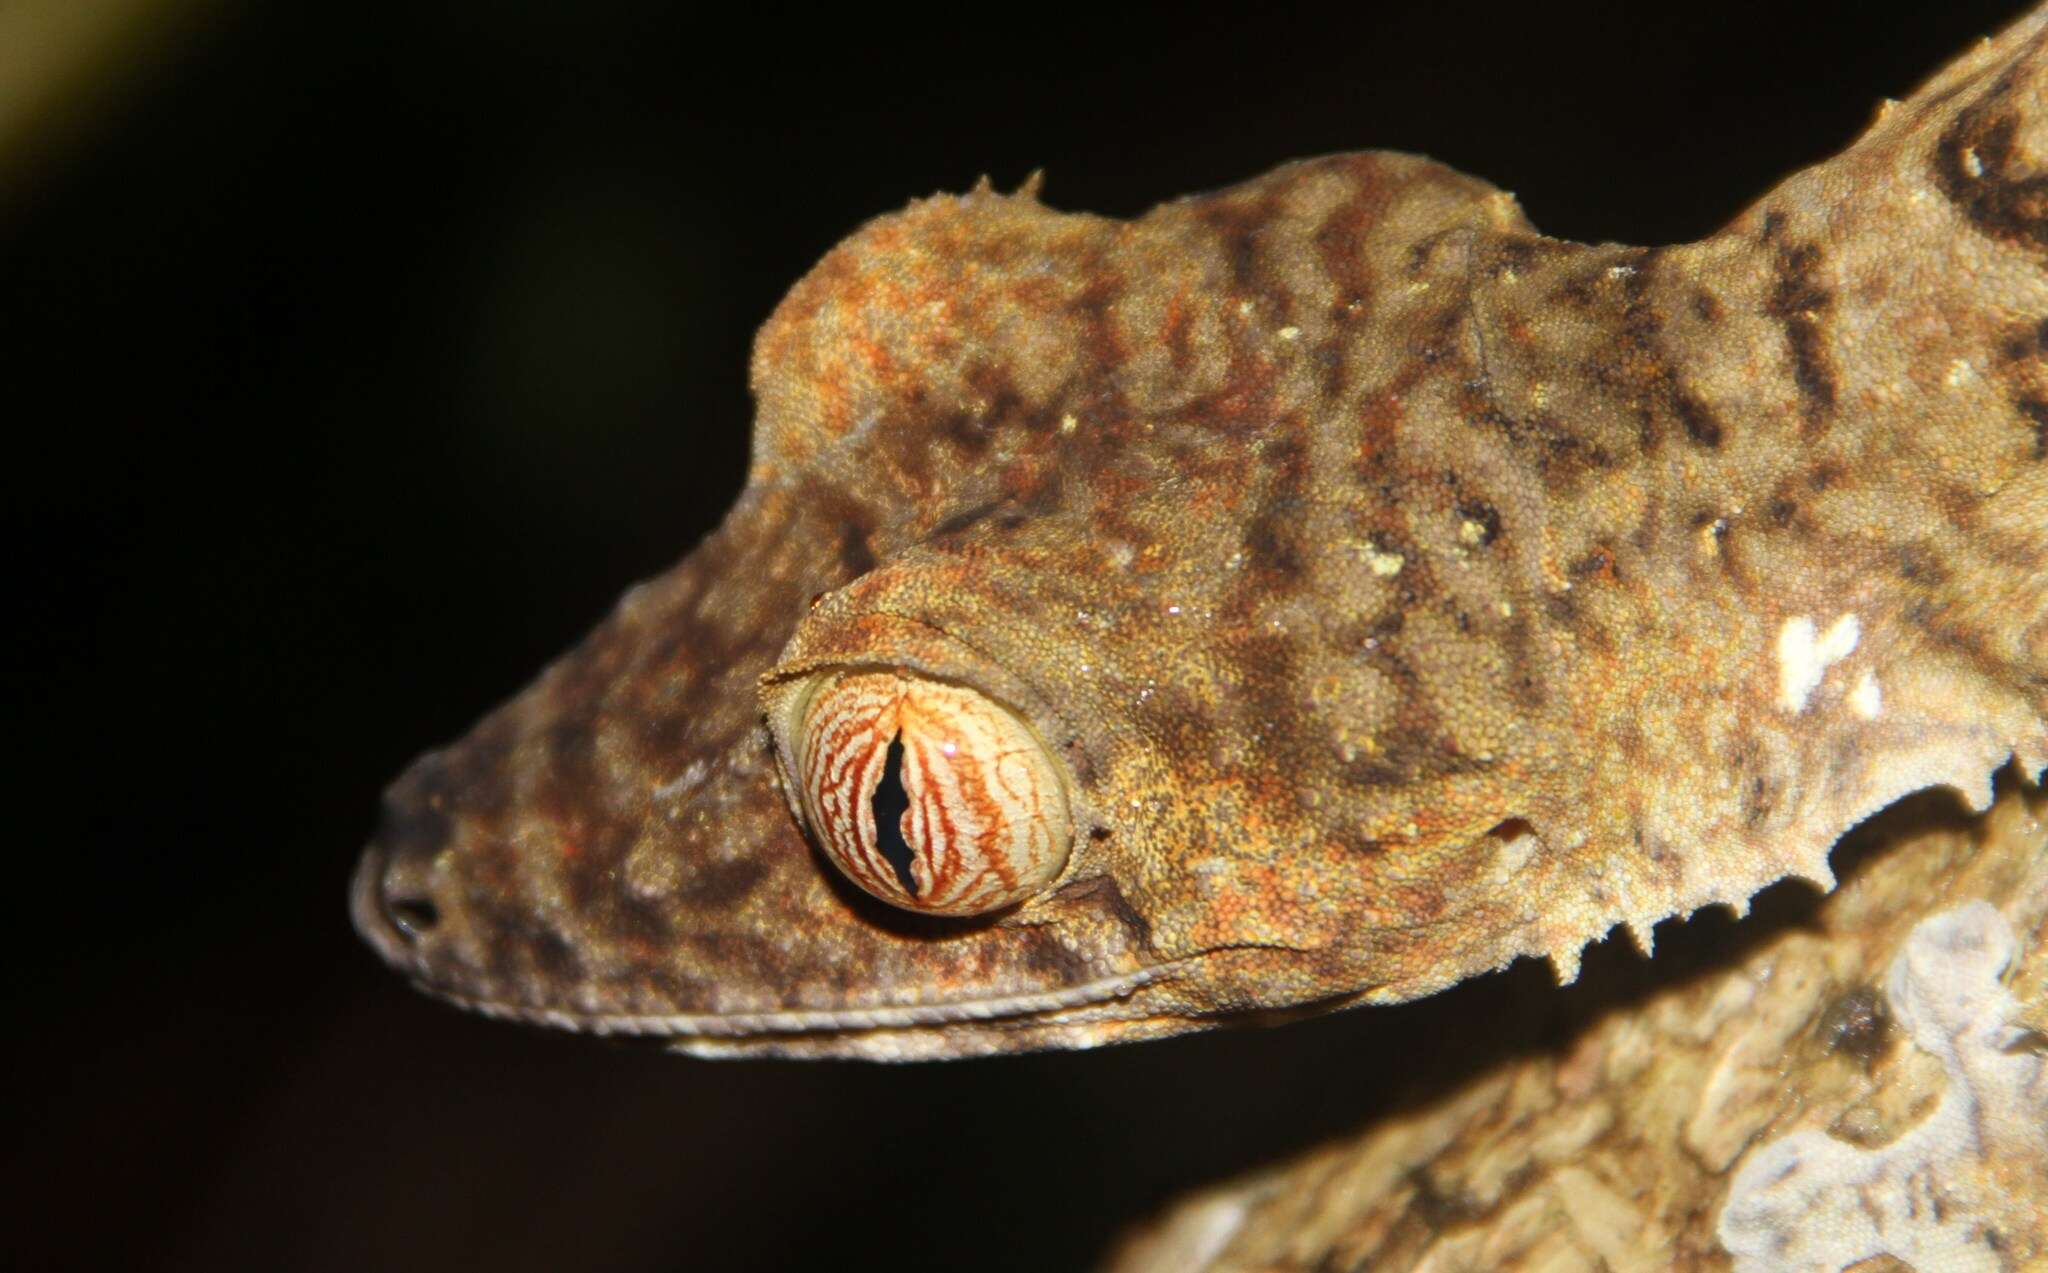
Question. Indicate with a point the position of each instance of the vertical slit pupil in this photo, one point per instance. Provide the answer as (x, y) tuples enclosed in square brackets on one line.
[(890, 804)]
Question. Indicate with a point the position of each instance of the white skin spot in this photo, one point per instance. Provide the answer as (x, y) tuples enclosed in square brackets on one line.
[(1385, 565), (1867, 699), (1839, 641), (1804, 656)]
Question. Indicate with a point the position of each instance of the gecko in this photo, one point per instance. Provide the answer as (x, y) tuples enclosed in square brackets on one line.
[(1309, 594)]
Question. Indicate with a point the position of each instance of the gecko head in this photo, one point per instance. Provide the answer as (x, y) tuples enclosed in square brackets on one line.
[(627, 848), (953, 738), (746, 822), (931, 807)]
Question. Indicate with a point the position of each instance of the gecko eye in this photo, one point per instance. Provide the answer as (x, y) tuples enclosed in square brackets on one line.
[(927, 794)]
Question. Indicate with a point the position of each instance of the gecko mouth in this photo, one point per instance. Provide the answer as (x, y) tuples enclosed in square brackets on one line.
[(1077, 1015), (424, 940), (1115, 1009), (1150, 1000)]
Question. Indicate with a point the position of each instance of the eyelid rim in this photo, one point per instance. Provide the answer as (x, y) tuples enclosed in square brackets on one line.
[(885, 642)]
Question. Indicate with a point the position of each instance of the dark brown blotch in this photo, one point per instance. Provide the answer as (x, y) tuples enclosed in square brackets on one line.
[(1268, 692), (1973, 167), (1240, 224), (1341, 241), (1919, 564), (847, 524), (554, 957), (1856, 1024), (1000, 403), (1417, 748), (1758, 800), (1799, 301), (1558, 453), (1275, 545), (2024, 343), (2036, 412), (1698, 419), (1102, 893), (1518, 255), (855, 557), (966, 432), (1562, 608), (1597, 563), (1442, 1209), (1516, 642), (1483, 515)]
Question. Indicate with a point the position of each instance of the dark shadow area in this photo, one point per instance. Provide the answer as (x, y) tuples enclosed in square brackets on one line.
[(357, 364)]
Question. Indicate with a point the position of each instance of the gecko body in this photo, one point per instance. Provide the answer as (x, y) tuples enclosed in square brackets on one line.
[(1381, 590)]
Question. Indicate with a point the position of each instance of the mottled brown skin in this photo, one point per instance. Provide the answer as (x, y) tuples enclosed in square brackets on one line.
[(1402, 591)]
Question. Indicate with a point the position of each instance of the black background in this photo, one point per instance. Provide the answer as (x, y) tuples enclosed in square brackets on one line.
[(361, 355)]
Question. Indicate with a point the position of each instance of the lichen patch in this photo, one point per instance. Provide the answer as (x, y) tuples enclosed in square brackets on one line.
[(1930, 1198)]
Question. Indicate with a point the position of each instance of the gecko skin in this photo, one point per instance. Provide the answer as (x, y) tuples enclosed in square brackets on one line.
[(1395, 591)]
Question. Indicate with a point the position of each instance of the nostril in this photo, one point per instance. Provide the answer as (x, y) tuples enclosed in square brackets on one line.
[(411, 915), (390, 907)]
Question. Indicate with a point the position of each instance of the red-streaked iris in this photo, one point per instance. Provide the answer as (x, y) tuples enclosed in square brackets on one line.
[(927, 794)]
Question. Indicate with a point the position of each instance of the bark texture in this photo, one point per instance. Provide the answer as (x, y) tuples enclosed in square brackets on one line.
[(1867, 1090)]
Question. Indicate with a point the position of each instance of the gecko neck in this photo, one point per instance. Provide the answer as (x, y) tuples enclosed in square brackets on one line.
[(1848, 386), (1908, 284)]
